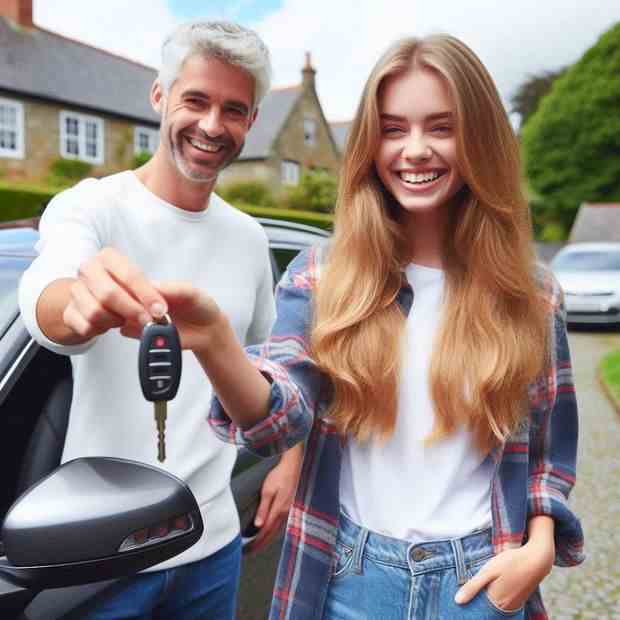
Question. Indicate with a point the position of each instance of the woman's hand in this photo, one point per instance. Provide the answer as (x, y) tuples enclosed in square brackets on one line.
[(193, 313), (511, 576)]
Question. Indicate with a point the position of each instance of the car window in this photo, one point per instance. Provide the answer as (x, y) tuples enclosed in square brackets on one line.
[(284, 256), (587, 261)]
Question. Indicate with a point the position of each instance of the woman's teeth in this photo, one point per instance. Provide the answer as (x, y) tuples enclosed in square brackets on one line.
[(425, 177)]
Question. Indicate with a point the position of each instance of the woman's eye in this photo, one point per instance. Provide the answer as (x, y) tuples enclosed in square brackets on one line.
[(442, 129), (391, 130)]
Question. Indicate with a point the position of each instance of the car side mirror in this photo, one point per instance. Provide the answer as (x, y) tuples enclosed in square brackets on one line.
[(94, 519)]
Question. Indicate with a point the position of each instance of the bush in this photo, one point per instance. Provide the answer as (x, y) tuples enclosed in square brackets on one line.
[(140, 158), (17, 203), (316, 191), (247, 192), (572, 142), (68, 171)]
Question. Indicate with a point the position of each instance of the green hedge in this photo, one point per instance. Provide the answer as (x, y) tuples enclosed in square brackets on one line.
[(310, 218), (21, 202), (610, 373)]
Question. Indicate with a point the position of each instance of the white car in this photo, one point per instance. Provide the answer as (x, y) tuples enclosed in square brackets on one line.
[(589, 273)]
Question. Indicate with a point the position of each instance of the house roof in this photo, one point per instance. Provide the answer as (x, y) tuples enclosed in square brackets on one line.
[(47, 65), (272, 114), (340, 131), (596, 222)]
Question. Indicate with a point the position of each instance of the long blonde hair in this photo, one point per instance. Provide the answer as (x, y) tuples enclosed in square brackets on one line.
[(492, 338)]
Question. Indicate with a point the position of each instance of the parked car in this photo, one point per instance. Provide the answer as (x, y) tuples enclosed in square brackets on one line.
[(589, 273), (35, 394)]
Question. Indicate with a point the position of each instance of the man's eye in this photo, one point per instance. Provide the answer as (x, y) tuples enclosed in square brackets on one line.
[(236, 112)]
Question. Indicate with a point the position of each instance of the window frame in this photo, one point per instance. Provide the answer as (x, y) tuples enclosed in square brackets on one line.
[(19, 152), (81, 137), (151, 133), (310, 131), (287, 166)]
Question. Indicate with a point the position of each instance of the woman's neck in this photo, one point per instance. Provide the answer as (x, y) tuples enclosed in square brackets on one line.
[(425, 234)]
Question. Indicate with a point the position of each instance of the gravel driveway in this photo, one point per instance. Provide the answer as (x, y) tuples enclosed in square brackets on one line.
[(592, 590)]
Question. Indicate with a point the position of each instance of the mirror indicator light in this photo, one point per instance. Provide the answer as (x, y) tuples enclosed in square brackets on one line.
[(167, 530)]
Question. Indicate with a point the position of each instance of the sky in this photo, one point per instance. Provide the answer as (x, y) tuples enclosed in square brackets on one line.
[(514, 39)]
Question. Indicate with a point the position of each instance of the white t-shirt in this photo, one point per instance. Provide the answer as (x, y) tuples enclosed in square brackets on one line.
[(402, 488), (221, 250)]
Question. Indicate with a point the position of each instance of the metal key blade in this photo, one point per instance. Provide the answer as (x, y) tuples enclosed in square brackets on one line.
[(161, 411)]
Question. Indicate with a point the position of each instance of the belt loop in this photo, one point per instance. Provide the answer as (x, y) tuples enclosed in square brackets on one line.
[(358, 552), (459, 560)]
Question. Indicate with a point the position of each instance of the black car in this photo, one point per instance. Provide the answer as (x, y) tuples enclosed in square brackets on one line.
[(35, 394)]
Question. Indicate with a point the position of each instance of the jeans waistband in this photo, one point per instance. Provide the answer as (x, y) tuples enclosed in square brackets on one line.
[(458, 553)]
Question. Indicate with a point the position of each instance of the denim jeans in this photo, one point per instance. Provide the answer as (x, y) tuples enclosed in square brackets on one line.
[(381, 578), (205, 590)]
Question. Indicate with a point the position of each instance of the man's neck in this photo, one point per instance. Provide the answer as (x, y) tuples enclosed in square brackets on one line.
[(170, 186)]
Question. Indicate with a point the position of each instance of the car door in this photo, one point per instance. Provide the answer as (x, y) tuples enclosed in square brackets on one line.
[(35, 394)]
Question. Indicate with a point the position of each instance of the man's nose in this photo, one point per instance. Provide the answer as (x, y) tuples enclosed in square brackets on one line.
[(211, 123), (417, 148)]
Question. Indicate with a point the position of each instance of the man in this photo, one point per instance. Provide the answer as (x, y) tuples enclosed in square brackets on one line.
[(104, 244)]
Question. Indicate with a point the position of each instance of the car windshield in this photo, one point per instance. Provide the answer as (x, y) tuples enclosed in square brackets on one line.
[(587, 261)]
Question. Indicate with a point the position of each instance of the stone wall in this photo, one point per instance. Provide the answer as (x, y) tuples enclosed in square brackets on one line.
[(290, 143), (42, 142)]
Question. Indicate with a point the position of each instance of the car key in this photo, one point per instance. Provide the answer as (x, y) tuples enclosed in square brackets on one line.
[(159, 367)]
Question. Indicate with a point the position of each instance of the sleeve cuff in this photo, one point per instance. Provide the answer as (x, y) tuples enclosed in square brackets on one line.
[(270, 436), (544, 499)]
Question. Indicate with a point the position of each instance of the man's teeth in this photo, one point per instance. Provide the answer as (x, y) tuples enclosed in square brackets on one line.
[(426, 177), (205, 146)]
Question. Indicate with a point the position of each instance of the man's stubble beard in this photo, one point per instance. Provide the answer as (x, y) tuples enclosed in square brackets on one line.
[(190, 174)]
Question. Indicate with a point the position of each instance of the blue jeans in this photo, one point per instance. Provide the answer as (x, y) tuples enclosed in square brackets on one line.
[(381, 577), (203, 590)]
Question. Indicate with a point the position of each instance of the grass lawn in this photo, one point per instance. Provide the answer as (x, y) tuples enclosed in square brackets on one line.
[(610, 374)]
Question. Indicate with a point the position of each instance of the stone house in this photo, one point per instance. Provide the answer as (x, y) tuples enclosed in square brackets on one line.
[(60, 98), (340, 131), (596, 222), (290, 136), (63, 99)]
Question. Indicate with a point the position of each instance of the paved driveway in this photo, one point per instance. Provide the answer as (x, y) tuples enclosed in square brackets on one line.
[(592, 590)]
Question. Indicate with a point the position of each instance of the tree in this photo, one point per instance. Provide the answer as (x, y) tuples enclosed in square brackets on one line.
[(572, 142), (528, 96)]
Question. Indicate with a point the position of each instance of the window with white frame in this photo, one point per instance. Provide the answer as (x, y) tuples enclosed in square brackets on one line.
[(145, 139), (11, 128), (81, 137), (309, 131), (290, 172)]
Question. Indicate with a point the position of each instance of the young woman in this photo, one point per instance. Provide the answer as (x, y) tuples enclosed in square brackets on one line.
[(423, 359)]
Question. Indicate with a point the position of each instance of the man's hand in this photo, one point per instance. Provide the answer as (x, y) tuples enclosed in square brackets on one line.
[(511, 576), (109, 291), (277, 496)]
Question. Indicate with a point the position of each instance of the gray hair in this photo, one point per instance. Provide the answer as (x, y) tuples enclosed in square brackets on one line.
[(227, 41)]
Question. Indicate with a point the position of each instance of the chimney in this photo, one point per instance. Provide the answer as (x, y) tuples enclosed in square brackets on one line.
[(308, 73), (20, 11)]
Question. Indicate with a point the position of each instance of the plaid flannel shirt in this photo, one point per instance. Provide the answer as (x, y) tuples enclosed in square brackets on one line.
[(534, 469)]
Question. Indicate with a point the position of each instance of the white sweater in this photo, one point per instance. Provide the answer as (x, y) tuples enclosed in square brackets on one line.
[(221, 250)]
